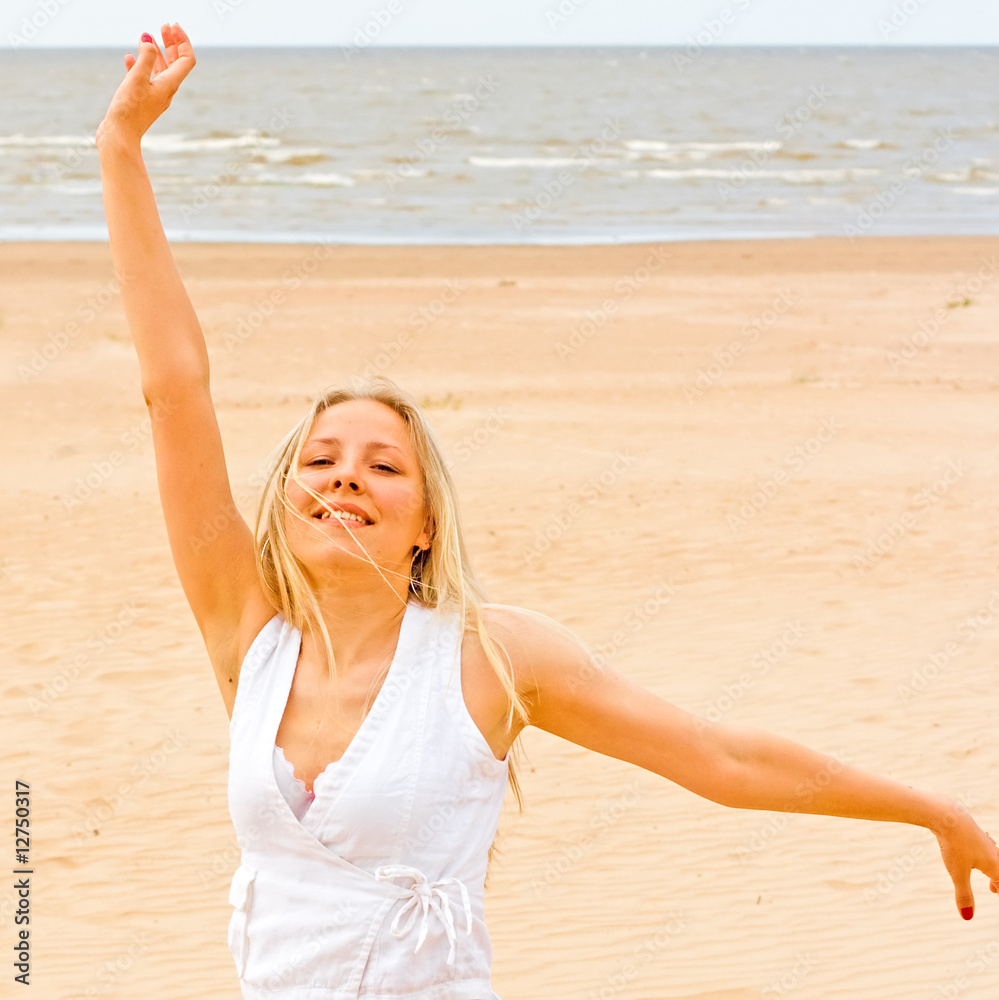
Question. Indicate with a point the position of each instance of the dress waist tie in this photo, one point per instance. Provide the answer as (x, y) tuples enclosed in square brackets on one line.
[(426, 896)]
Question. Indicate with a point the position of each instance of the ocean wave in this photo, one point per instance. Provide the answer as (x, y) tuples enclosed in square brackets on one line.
[(816, 176), (369, 174), (525, 161), (670, 156), (294, 156), (652, 145), (864, 144), (178, 142), (18, 140), (696, 152), (300, 180), (962, 176)]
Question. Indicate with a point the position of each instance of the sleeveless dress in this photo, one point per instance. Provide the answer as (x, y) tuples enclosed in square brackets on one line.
[(373, 890)]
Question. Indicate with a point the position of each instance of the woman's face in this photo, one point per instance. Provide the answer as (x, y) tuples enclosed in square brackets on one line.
[(359, 459)]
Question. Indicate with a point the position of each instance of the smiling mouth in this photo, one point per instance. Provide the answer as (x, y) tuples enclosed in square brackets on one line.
[(354, 520)]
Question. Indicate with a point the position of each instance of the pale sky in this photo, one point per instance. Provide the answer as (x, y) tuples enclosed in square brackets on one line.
[(118, 23)]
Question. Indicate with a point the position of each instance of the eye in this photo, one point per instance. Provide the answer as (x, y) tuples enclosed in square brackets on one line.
[(386, 467), (319, 461)]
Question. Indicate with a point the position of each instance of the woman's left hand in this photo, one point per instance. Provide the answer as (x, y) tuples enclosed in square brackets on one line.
[(151, 80), (964, 846)]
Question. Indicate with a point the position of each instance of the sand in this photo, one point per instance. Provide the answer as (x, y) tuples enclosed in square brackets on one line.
[(760, 477)]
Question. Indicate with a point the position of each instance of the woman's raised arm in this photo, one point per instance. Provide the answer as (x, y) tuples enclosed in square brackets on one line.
[(211, 543)]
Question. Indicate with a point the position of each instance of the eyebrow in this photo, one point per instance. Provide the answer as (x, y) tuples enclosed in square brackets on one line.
[(371, 445)]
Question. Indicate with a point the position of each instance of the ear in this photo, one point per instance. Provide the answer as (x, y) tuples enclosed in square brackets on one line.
[(424, 538)]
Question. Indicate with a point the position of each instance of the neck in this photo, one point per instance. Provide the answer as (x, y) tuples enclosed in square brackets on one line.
[(363, 620)]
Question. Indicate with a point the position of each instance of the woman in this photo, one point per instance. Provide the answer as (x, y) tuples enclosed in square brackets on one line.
[(362, 669)]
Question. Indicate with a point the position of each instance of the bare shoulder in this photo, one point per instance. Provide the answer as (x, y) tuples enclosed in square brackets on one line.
[(538, 646), (525, 640)]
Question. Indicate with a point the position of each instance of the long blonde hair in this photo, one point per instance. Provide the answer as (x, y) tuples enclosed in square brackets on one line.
[(441, 576)]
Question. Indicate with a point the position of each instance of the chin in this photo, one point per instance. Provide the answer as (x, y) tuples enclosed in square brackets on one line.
[(347, 555)]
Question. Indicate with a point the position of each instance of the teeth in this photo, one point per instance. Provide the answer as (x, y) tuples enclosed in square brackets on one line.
[(342, 515)]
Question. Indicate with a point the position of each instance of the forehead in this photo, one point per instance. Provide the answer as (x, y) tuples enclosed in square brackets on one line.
[(361, 421)]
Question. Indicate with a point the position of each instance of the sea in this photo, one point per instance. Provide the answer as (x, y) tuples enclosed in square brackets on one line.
[(383, 145)]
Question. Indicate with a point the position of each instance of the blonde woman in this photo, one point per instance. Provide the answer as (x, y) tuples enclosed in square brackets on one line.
[(374, 697)]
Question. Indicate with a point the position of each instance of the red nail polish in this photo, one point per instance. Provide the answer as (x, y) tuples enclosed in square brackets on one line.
[(146, 37), (968, 912)]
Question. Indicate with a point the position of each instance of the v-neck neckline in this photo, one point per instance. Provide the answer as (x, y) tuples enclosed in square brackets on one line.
[(330, 770)]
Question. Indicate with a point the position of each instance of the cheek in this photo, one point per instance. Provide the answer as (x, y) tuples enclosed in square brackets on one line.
[(295, 524), (298, 494), (404, 498), (299, 503), (295, 496)]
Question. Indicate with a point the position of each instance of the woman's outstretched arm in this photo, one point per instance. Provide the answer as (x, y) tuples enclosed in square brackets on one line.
[(571, 696), (212, 545)]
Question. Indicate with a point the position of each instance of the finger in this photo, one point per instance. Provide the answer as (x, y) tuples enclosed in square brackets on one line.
[(146, 59), (179, 34), (161, 63), (963, 895), (148, 42), (184, 61), (129, 61), (180, 39), (169, 43)]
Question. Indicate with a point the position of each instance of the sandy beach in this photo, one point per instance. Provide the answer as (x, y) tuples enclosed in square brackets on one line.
[(761, 478)]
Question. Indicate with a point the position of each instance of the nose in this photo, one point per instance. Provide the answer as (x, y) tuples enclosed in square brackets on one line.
[(346, 477)]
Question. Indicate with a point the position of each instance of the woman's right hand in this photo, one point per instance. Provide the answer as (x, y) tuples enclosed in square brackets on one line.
[(151, 80)]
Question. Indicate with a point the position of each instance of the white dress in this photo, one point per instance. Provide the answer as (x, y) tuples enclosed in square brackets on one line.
[(372, 888)]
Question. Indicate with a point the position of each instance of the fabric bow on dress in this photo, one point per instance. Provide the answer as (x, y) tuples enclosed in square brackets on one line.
[(426, 896)]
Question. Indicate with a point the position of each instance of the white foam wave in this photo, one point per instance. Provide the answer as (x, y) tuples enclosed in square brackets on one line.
[(815, 176), (863, 143), (406, 171), (22, 141), (671, 156), (525, 161), (178, 142), (643, 145), (963, 176), (167, 143), (301, 180), (291, 153)]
